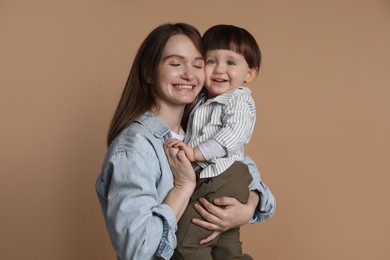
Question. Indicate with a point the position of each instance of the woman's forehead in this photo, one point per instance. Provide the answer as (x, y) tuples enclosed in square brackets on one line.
[(180, 46)]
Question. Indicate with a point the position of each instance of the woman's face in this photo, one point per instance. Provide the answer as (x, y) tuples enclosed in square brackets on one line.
[(180, 73)]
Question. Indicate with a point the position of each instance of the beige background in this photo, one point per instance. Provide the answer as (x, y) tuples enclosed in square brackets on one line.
[(322, 134)]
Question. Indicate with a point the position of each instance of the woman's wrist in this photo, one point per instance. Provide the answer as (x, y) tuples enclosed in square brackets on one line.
[(184, 188), (178, 198), (253, 200)]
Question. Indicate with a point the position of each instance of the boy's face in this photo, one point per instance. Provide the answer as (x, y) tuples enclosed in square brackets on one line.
[(226, 70)]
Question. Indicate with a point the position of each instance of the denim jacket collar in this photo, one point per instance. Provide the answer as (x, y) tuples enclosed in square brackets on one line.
[(151, 122)]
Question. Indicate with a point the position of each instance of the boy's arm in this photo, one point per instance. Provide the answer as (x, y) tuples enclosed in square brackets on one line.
[(238, 118), (211, 149), (198, 156)]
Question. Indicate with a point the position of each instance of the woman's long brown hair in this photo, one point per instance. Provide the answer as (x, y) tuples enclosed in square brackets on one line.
[(137, 96)]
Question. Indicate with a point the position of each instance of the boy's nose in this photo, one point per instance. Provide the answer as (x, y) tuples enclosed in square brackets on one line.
[(218, 69)]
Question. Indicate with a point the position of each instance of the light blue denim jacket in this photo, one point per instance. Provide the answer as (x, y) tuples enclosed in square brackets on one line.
[(132, 185)]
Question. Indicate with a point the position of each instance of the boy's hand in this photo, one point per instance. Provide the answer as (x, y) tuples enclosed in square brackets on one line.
[(182, 146)]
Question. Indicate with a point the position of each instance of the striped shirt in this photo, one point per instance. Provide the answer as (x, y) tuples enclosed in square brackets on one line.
[(226, 120)]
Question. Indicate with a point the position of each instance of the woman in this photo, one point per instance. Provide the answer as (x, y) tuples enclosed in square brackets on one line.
[(144, 189)]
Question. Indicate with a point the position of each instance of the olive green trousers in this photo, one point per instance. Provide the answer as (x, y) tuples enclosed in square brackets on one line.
[(233, 182)]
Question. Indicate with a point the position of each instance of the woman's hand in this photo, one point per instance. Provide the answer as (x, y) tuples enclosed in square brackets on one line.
[(226, 213), (181, 167), (184, 181)]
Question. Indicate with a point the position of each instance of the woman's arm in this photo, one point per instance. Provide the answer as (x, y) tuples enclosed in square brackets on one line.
[(265, 209), (141, 225), (138, 224)]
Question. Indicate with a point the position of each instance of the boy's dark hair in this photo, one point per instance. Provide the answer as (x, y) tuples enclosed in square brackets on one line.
[(230, 37)]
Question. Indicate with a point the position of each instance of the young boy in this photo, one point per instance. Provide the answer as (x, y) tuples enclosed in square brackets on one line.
[(220, 125)]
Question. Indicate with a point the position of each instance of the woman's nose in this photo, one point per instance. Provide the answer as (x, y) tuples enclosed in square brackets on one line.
[(188, 73)]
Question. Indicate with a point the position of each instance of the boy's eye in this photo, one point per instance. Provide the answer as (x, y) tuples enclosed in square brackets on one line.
[(229, 62), (210, 61)]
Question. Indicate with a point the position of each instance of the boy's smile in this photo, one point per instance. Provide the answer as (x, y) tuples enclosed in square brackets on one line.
[(226, 70)]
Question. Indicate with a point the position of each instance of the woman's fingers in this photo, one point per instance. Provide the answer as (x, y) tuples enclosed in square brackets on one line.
[(171, 152), (224, 214), (210, 238), (210, 214), (204, 224), (208, 210), (172, 143), (181, 155), (225, 201)]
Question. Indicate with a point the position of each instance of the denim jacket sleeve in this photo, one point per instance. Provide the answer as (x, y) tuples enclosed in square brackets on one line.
[(140, 226), (267, 203)]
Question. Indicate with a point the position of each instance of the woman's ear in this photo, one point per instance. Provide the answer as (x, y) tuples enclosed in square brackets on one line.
[(149, 79), (252, 73), (148, 76)]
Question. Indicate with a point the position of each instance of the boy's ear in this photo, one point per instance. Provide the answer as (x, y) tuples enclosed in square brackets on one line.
[(252, 73)]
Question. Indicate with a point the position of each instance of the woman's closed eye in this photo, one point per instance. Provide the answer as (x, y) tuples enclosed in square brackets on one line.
[(175, 63), (198, 64)]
